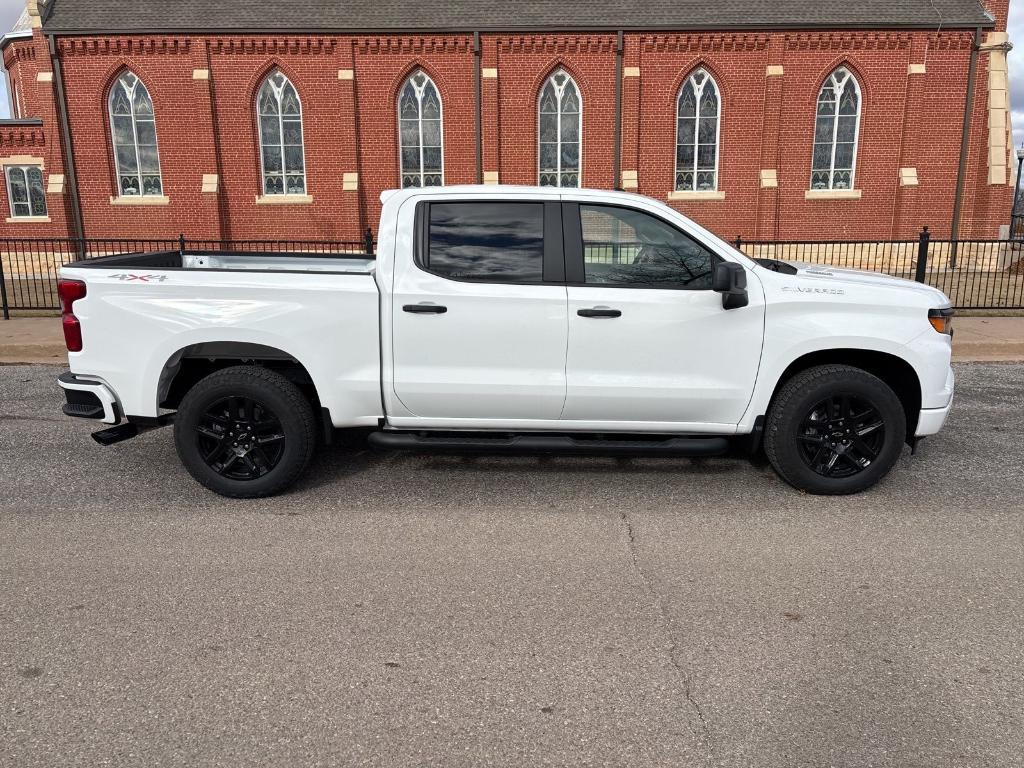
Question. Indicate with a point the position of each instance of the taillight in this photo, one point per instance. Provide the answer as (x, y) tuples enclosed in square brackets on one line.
[(69, 292)]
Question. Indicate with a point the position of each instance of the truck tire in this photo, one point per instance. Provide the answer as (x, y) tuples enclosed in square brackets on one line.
[(245, 432), (834, 429)]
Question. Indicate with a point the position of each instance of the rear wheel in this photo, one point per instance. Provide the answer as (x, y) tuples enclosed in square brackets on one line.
[(834, 429), (245, 431)]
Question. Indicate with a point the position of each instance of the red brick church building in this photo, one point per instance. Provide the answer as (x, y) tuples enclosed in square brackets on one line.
[(255, 119)]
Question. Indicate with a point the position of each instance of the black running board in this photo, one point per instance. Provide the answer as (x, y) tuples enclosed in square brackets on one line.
[(134, 427), (540, 443)]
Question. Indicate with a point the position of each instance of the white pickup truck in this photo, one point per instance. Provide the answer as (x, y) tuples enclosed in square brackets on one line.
[(509, 319)]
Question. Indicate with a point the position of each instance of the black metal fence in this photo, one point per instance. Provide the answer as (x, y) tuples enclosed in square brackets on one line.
[(1017, 226), (975, 274), (29, 266)]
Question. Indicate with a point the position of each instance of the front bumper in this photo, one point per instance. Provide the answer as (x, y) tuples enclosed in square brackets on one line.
[(89, 399), (930, 420)]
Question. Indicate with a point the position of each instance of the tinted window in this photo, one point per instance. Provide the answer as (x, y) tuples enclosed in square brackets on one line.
[(622, 246), (490, 242)]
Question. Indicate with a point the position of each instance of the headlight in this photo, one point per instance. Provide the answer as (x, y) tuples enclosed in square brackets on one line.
[(942, 320)]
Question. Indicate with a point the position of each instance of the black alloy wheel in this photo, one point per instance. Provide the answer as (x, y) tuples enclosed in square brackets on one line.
[(841, 436), (245, 431), (240, 438), (834, 429)]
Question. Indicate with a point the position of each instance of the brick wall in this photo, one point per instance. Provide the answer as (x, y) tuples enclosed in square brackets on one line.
[(524, 64), (29, 68), (203, 90)]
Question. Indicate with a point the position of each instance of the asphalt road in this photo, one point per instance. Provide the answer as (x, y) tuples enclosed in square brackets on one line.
[(446, 611)]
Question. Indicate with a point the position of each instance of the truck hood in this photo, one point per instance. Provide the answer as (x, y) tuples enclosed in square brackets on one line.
[(863, 277)]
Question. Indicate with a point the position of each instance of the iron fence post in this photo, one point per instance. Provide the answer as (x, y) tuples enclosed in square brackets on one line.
[(181, 243), (922, 255), (368, 241), (739, 243), (3, 291), (1016, 187)]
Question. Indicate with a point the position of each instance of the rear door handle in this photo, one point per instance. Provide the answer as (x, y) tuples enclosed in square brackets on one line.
[(599, 312), (425, 309)]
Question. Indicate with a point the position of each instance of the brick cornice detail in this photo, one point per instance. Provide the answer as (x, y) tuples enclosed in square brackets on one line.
[(273, 45), (22, 136), (556, 43), (703, 42), (19, 53), (413, 44), (951, 41), (847, 41), (89, 46)]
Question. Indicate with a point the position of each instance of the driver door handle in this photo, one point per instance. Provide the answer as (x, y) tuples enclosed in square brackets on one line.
[(599, 312), (425, 309)]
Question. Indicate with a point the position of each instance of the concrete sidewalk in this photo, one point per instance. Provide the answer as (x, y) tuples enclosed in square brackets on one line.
[(983, 339), (32, 340)]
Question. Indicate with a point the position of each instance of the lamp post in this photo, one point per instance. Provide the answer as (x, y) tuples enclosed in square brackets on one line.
[(1016, 191)]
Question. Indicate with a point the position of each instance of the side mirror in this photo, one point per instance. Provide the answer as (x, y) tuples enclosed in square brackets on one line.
[(730, 280)]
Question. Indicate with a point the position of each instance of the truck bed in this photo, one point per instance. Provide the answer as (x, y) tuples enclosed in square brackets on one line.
[(333, 263), (143, 313)]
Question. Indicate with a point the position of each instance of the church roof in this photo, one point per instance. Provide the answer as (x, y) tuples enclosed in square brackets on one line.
[(113, 16), (22, 28), (24, 23)]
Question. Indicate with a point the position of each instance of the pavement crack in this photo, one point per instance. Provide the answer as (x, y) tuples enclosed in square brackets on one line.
[(694, 703), (666, 622), (631, 536)]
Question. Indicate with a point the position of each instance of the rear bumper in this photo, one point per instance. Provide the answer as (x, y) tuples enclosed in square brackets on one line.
[(89, 399)]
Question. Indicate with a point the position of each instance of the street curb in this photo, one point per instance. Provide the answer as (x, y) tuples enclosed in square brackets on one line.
[(991, 353), (33, 354)]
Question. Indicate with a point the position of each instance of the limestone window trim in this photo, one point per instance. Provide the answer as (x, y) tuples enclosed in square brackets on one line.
[(284, 199), (140, 200), (832, 194), (707, 195)]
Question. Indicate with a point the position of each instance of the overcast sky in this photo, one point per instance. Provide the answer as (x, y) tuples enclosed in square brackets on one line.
[(11, 9), (1015, 26)]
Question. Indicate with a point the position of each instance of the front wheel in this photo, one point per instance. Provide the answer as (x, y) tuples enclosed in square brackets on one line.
[(245, 432), (834, 429)]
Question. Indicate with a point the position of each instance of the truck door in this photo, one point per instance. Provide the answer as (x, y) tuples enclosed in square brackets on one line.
[(479, 315), (649, 341)]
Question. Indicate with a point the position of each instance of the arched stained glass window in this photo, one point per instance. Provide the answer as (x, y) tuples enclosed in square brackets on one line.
[(133, 129), (560, 113), (835, 132), (282, 159), (420, 132), (698, 109)]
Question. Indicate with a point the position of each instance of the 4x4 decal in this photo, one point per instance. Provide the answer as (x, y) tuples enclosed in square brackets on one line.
[(130, 277)]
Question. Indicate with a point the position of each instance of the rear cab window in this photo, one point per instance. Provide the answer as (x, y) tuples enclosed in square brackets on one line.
[(484, 241)]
